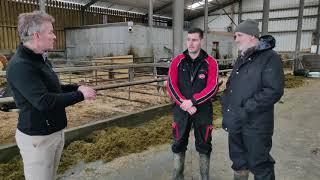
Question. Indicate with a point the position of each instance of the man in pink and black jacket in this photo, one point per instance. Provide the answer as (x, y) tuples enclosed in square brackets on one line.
[(192, 82)]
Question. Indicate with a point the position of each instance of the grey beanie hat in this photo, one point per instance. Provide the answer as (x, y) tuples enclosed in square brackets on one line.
[(250, 27)]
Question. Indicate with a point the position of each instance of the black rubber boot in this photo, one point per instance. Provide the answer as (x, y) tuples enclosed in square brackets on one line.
[(178, 166), (204, 163)]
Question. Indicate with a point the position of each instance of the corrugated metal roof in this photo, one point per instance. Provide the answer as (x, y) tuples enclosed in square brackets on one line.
[(161, 7), (138, 6)]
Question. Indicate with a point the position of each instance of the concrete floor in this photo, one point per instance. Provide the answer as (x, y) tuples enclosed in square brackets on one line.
[(296, 148)]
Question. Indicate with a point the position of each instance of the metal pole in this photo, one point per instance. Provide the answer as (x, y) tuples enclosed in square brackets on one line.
[(82, 17), (150, 41), (298, 39), (240, 12), (205, 23), (178, 19), (150, 20), (232, 24), (104, 87), (100, 67), (42, 5), (265, 17), (318, 30), (6, 100), (124, 84)]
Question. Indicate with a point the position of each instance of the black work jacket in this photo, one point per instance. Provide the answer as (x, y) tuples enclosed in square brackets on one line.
[(38, 93), (254, 86)]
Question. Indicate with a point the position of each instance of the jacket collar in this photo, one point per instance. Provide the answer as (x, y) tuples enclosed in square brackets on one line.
[(265, 43), (28, 54), (202, 55)]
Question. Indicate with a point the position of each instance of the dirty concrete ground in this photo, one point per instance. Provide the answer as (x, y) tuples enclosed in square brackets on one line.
[(296, 148)]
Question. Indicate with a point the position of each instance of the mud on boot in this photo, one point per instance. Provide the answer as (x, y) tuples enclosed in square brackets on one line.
[(204, 163), (178, 166), (241, 175)]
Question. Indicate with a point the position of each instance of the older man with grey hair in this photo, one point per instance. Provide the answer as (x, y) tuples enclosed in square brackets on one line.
[(254, 86), (40, 97)]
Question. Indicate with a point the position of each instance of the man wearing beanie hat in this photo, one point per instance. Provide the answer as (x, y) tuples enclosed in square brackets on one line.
[(249, 27), (254, 86)]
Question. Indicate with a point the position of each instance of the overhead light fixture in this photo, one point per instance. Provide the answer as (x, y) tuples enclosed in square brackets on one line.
[(197, 4)]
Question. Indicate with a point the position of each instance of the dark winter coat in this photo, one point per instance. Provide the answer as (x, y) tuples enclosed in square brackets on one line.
[(254, 86)]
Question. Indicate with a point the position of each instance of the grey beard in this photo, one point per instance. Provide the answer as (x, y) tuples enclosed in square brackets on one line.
[(243, 51)]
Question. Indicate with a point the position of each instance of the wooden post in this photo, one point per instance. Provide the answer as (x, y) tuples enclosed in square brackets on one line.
[(130, 76), (96, 75)]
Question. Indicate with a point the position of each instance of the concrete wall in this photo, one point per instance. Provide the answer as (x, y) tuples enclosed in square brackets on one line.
[(226, 43), (115, 39)]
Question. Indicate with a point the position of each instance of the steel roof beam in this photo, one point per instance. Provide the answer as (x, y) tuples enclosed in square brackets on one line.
[(222, 5)]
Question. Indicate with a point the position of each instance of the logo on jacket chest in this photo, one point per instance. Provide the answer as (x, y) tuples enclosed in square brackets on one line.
[(202, 76)]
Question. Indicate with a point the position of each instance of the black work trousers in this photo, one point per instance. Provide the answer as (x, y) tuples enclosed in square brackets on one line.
[(251, 151), (201, 122)]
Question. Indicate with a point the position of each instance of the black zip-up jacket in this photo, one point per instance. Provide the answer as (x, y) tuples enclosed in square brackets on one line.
[(38, 93), (193, 79), (254, 86)]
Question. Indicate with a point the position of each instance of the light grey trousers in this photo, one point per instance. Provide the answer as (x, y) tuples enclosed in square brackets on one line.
[(40, 154)]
